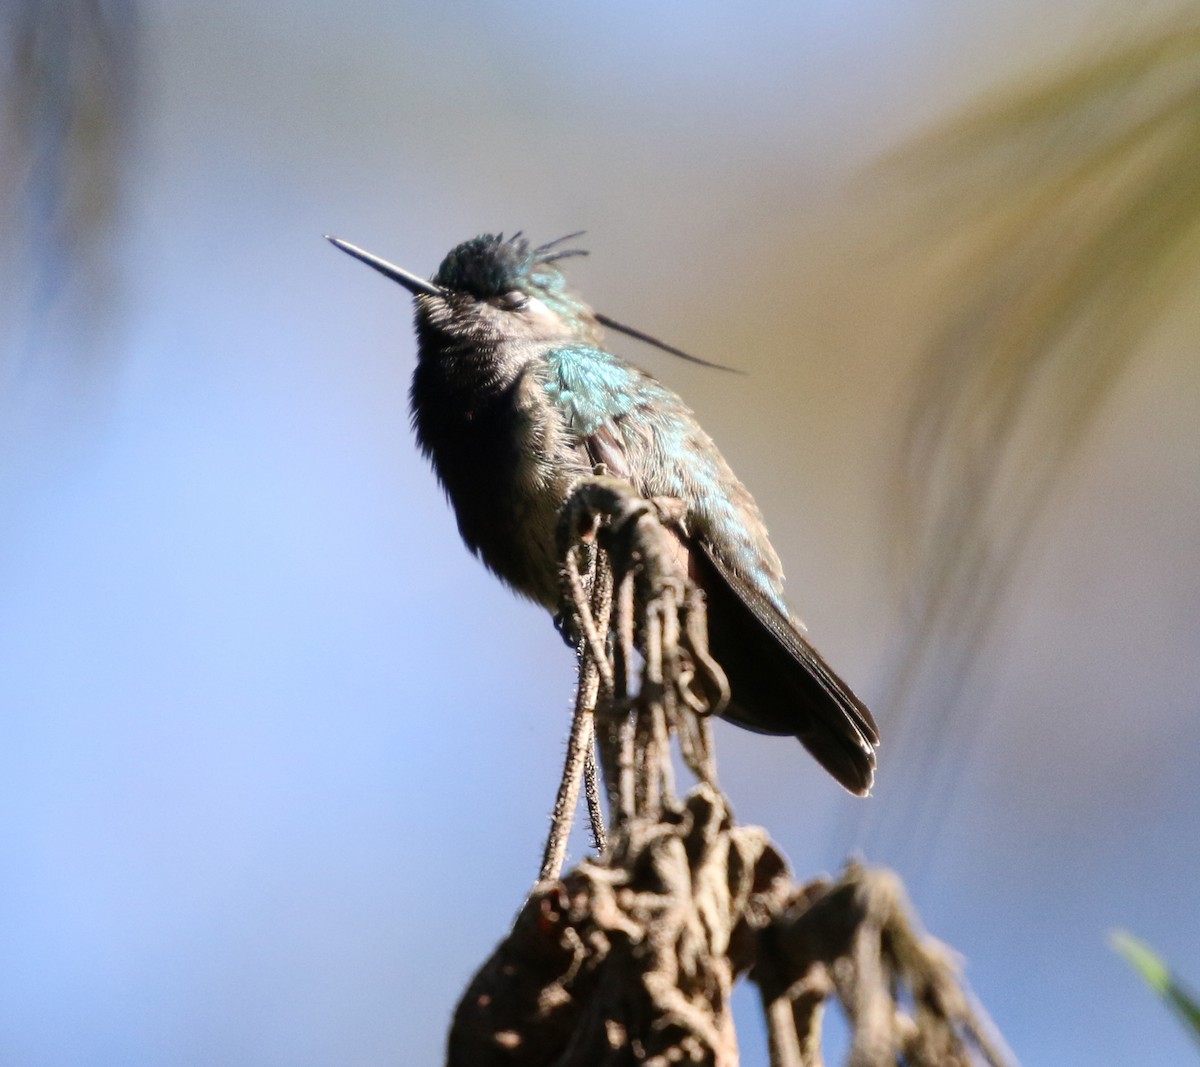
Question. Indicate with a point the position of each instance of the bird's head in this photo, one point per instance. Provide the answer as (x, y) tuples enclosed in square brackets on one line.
[(493, 288)]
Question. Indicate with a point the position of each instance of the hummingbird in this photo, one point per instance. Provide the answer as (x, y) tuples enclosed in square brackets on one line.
[(515, 398)]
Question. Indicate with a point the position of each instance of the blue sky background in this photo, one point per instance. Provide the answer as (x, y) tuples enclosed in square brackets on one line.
[(276, 755)]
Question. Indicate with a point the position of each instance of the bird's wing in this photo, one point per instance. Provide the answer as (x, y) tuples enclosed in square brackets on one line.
[(779, 682), (783, 631)]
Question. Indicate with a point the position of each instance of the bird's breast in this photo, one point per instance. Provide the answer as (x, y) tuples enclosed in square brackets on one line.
[(508, 461)]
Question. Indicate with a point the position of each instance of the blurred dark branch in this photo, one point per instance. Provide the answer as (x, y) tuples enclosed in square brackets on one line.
[(67, 86), (1066, 218), (631, 957)]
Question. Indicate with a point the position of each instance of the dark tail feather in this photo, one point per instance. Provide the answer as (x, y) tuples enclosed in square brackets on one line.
[(779, 683)]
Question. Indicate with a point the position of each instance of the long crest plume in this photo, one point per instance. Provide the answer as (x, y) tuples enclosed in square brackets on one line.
[(545, 254), (645, 338)]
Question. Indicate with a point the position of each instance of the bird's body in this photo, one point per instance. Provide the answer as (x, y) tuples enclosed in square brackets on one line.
[(514, 400)]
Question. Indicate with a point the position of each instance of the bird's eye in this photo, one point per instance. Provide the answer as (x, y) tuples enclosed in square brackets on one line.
[(514, 300)]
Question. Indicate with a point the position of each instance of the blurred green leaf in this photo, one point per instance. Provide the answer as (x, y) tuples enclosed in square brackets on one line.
[(1155, 973)]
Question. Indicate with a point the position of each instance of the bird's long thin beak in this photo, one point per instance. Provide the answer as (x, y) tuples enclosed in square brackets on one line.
[(411, 282)]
